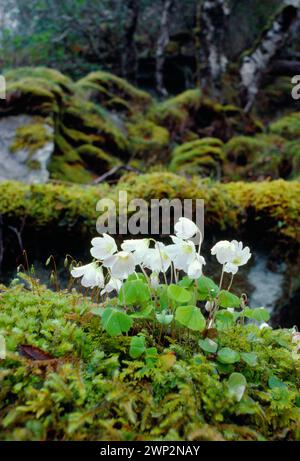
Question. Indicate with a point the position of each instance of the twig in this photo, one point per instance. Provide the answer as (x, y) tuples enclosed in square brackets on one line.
[(115, 170)]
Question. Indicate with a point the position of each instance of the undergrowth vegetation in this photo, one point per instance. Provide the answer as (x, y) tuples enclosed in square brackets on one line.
[(65, 378)]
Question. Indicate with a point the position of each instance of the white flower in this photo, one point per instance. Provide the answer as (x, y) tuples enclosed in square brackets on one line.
[(154, 280), (121, 264), (240, 257), (182, 253), (209, 306), (195, 268), (114, 284), (185, 229), (224, 251), (103, 247), (92, 275), (156, 259), (264, 325), (138, 247)]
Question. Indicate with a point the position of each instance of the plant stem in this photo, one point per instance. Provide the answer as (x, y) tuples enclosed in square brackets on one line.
[(230, 284), (221, 279)]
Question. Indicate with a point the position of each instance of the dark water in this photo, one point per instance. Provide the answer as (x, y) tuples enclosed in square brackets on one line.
[(264, 284)]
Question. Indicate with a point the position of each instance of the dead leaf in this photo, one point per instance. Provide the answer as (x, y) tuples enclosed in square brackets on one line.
[(34, 353)]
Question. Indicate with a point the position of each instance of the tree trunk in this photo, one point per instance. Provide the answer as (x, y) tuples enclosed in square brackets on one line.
[(256, 64), (212, 20), (130, 63), (162, 42)]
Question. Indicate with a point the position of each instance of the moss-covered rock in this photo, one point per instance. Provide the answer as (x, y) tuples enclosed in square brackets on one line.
[(193, 115), (252, 157), (77, 123), (113, 93), (203, 157), (64, 378), (31, 137), (287, 126), (148, 141), (261, 156)]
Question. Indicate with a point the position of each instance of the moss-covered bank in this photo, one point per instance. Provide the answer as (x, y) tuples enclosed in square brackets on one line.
[(270, 206), (81, 384)]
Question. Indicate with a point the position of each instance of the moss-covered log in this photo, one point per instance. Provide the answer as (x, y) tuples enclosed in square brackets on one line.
[(271, 207)]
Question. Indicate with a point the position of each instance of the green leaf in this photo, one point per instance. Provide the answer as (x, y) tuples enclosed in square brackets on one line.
[(178, 294), (137, 346), (250, 358), (136, 293), (98, 311), (116, 322), (274, 382), (185, 282), (237, 385), (224, 320), (164, 318), (137, 276), (228, 355), (227, 299), (144, 313), (260, 314), (162, 293), (190, 317), (208, 345), (207, 288)]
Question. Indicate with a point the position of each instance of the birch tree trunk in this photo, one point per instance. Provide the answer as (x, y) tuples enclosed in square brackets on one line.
[(162, 42), (212, 30), (256, 63)]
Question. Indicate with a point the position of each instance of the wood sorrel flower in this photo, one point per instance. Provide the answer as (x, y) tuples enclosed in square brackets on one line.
[(138, 247), (224, 251), (114, 284), (240, 257), (156, 259), (185, 229), (103, 247), (121, 264), (195, 268), (182, 253), (92, 275)]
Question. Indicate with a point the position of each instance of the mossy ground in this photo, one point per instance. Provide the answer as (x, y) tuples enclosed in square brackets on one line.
[(89, 388)]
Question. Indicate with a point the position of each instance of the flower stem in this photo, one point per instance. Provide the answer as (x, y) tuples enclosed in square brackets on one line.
[(230, 284), (221, 279)]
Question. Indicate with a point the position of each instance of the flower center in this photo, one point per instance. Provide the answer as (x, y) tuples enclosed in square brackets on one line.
[(237, 261)]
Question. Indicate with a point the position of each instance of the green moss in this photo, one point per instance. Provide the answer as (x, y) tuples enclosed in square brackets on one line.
[(203, 157), (31, 137), (287, 126), (252, 157), (175, 112), (44, 73), (292, 155), (93, 390), (33, 164), (113, 92), (275, 97), (271, 205), (148, 141), (101, 160)]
